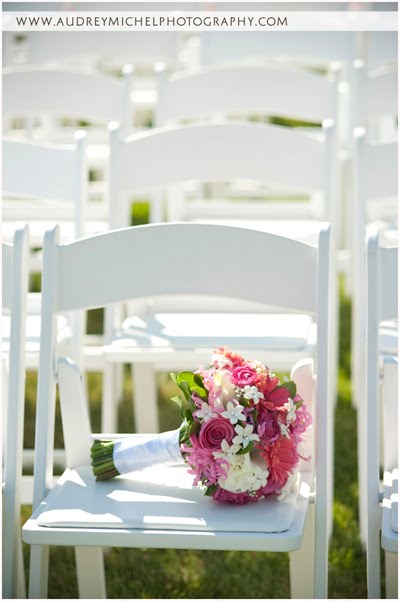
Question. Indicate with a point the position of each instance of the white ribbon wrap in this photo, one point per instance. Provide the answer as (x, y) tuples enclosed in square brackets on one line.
[(133, 454)]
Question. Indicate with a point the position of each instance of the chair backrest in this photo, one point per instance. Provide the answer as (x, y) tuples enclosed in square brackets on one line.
[(373, 97), (247, 89), (50, 172), (220, 152), (15, 291), (110, 47), (390, 400), (382, 48), (93, 97), (297, 281), (299, 47)]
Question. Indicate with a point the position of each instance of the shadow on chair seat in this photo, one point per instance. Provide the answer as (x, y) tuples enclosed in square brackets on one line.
[(159, 501)]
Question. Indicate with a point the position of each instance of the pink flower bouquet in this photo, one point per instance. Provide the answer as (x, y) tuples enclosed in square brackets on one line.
[(240, 433)]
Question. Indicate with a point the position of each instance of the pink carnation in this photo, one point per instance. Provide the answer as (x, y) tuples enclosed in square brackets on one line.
[(214, 431), (281, 457), (244, 376), (233, 357)]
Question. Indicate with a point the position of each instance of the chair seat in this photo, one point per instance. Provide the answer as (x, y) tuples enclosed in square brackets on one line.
[(163, 503), (155, 336), (388, 337), (390, 511)]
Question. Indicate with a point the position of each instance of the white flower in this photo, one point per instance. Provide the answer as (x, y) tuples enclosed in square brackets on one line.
[(222, 380), (206, 413), (243, 475), (252, 393), (291, 410), (284, 430), (221, 361), (226, 450), (289, 486), (244, 435), (258, 366), (234, 413)]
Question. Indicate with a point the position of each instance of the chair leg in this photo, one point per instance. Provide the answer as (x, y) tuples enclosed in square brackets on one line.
[(361, 461), (373, 559), (301, 562), (145, 397), (391, 575), (90, 572), (21, 587), (109, 422), (118, 382), (39, 572)]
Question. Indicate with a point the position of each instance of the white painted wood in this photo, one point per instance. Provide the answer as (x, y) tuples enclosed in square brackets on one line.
[(250, 89), (112, 47), (302, 562), (93, 97), (382, 267), (307, 48), (107, 249), (83, 285), (375, 177), (90, 572), (146, 417), (205, 152), (74, 413), (15, 287), (391, 575)]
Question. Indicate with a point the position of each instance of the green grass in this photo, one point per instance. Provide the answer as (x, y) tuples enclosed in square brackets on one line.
[(153, 573)]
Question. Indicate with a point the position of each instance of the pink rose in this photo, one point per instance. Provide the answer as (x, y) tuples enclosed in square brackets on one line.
[(214, 431), (268, 429), (244, 376)]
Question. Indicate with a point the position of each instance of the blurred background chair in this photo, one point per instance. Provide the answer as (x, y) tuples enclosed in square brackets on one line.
[(298, 280), (375, 181), (381, 402), (49, 104), (294, 160), (15, 489)]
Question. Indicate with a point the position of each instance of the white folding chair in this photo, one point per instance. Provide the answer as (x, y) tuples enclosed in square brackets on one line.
[(50, 103), (311, 48), (53, 188), (84, 514), (374, 102), (221, 92), (15, 290), (156, 335), (382, 304), (105, 49), (375, 181)]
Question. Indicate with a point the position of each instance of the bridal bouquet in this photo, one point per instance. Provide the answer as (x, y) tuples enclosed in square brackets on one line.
[(240, 433)]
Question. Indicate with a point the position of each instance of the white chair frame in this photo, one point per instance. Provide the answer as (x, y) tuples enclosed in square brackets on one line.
[(220, 91), (382, 304), (71, 281), (15, 291), (375, 178)]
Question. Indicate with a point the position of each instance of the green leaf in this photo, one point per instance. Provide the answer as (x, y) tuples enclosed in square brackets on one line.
[(193, 382), (298, 404), (211, 490), (184, 432), (189, 415), (246, 449), (179, 402), (291, 387)]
